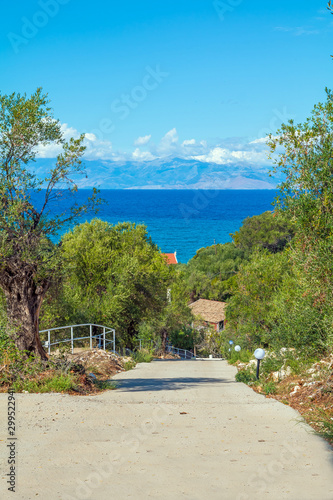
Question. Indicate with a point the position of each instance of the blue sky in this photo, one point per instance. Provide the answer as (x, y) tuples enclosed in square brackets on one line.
[(197, 79)]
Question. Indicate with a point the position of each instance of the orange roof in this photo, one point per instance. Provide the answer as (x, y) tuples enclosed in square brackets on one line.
[(171, 258)]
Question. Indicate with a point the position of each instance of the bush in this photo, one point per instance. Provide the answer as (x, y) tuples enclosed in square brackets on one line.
[(271, 364), (52, 383), (142, 356), (269, 388), (129, 365), (246, 376), (244, 356), (105, 385)]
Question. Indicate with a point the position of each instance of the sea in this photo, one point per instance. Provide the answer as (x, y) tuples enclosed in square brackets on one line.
[(181, 221)]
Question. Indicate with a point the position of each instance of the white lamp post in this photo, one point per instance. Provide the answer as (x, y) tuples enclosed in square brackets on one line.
[(259, 354)]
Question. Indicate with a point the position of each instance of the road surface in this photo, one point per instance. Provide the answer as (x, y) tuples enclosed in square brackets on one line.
[(172, 430)]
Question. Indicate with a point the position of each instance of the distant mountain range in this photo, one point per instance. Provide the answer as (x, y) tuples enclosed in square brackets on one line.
[(168, 173)]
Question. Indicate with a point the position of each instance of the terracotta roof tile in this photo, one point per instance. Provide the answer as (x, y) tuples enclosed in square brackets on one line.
[(171, 258)]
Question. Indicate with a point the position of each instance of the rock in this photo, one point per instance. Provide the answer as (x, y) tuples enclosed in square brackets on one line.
[(281, 374), (285, 373), (295, 390), (311, 370), (285, 350)]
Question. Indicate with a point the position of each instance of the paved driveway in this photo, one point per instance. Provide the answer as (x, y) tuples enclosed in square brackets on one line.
[(172, 430)]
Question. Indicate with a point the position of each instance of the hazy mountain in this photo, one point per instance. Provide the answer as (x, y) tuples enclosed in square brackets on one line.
[(168, 173)]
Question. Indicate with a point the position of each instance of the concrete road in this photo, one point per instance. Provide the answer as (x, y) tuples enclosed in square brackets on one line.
[(172, 430)]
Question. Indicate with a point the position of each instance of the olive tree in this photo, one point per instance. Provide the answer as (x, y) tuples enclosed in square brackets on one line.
[(28, 259)]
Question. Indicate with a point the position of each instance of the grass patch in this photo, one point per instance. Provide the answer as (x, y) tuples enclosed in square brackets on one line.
[(243, 356), (245, 376), (269, 388), (50, 383), (143, 356), (271, 364), (105, 385), (129, 365)]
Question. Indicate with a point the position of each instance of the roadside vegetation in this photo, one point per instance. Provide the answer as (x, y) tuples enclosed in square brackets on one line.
[(276, 274)]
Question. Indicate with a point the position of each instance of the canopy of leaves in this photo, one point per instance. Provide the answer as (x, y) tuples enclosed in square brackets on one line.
[(269, 230), (26, 123), (209, 273), (115, 276)]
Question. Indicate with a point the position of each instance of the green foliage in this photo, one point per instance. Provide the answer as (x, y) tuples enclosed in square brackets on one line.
[(246, 376), (269, 230), (30, 262), (269, 388), (175, 317), (185, 338), (53, 383), (243, 356), (105, 385), (142, 356), (210, 272), (271, 363), (115, 276), (251, 313), (299, 364), (129, 365)]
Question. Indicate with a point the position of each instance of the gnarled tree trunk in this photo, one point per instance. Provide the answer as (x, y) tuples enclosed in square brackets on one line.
[(24, 299)]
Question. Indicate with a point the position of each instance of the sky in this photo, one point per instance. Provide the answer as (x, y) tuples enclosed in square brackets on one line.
[(198, 79)]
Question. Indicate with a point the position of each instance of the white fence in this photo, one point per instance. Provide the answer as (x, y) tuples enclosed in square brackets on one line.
[(102, 336), (182, 353)]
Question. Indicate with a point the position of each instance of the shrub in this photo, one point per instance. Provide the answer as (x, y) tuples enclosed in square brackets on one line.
[(52, 383), (105, 384), (143, 356), (129, 365), (271, 364), (246, 376), (244, 356), (269, 388)]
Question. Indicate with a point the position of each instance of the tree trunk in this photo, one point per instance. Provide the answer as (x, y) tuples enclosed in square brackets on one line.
[(164, 338), (24, 300)]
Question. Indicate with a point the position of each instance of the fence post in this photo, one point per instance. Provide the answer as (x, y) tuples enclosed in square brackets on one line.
[(49, 340), (90, 336), (72, 340), (104, 338)]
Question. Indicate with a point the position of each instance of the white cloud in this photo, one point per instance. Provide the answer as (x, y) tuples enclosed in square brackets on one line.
[(90, 137), (261, 140), (169, 139), (142, 155), (95, 148), (223, 152), (142, 141), (225, 156), (188, 142)]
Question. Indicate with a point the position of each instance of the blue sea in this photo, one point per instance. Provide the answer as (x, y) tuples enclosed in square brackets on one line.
[(182, 220)]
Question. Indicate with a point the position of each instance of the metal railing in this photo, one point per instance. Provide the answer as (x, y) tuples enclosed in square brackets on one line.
[(182, 353), (103, 340)]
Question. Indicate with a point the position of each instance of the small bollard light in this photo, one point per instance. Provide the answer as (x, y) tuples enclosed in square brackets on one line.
[(237, 348), (259, 354)]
